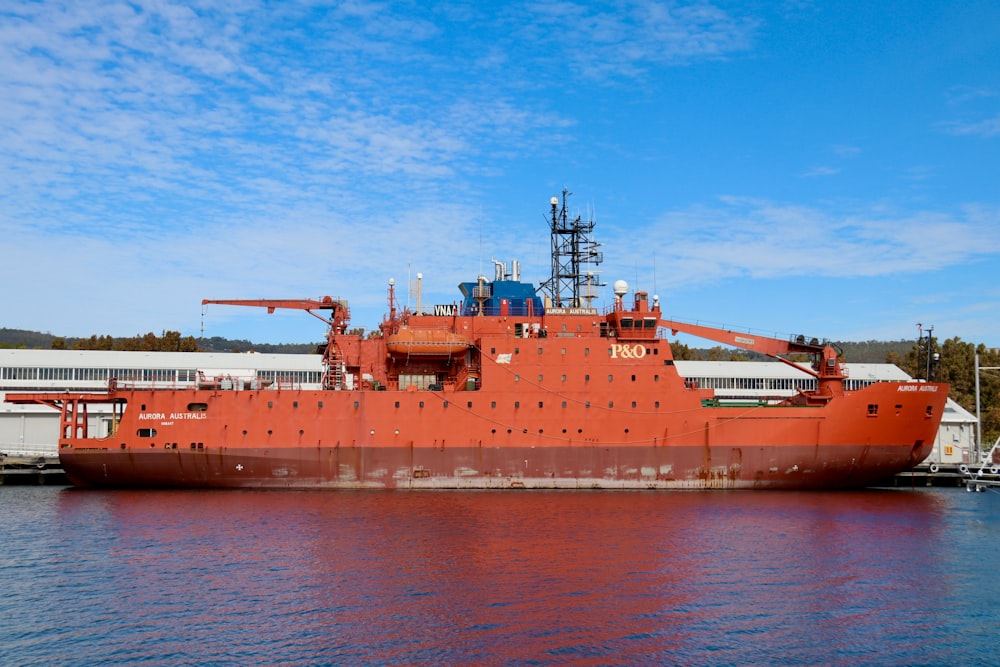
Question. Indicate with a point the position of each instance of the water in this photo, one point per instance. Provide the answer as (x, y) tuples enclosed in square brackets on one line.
[(498, 578)]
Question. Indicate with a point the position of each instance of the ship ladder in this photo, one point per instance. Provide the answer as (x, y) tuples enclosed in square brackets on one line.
[(334, 376)]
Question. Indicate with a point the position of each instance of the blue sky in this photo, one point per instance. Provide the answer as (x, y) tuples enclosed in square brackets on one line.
[(828, 168)]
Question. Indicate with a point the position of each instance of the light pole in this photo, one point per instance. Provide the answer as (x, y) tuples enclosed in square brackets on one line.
[(979, 418), (927, 348)]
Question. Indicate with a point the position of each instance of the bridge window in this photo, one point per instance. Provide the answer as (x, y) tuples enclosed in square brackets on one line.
[(146, 433)]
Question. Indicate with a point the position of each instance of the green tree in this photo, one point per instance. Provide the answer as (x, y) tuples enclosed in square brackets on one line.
[(682, 352), (956, 365)]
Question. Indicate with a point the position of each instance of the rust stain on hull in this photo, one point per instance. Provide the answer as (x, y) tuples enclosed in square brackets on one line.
[(585, 467)]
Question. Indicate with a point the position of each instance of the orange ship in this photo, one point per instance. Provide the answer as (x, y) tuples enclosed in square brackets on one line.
[(507, 389)]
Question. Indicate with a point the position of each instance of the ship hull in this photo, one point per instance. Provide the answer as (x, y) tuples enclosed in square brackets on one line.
[(435, 440), (576, 467)]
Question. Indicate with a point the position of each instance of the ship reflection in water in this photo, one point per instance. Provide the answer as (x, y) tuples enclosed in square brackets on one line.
[(123, 577)]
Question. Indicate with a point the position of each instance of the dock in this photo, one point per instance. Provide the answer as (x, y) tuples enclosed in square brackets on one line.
[(35, 469)]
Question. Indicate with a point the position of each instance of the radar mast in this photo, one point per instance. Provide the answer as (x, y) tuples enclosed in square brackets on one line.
[(573, 283)]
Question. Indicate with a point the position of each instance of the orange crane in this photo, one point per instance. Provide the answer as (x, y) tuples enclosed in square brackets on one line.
[(827, 366), (337, 321)]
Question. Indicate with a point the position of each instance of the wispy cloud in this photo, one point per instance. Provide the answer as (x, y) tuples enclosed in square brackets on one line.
[(989, 127), (821, 171), (762, 239), (600, 40)]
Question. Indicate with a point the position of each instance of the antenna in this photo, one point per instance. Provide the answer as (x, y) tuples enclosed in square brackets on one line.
[(572, 284)]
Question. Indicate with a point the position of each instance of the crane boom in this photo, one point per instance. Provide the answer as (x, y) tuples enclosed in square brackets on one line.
[(747, 341), (339, 313), (826, 359)]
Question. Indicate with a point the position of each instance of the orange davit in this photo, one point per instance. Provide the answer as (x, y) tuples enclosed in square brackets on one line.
[(516, 386)]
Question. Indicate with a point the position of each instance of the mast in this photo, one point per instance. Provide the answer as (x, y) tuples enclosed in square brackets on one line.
[(572, 284)]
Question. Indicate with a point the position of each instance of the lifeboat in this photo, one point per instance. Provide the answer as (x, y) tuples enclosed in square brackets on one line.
[(427, 343)]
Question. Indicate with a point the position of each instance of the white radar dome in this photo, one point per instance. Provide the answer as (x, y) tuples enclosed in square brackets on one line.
[(621, 288)]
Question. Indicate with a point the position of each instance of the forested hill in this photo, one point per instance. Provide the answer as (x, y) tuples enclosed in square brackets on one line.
[(170, 341)]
